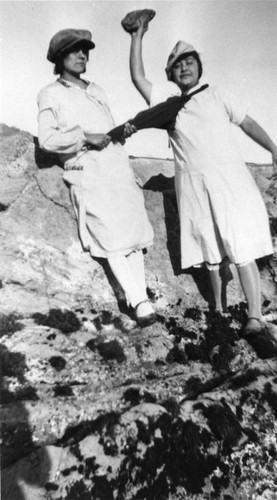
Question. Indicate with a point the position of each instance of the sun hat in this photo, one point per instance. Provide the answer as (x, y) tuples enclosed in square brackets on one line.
[(178, 50), (66, 39)]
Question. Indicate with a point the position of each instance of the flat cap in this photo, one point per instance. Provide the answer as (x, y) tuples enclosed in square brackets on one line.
[(65, 40), (178, 50)]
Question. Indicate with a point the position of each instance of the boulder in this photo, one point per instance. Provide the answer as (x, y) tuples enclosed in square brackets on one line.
[(43, 265), (93, 406)]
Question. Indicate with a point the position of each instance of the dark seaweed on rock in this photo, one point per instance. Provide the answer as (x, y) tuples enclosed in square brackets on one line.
[(24, 394), (194, 313), (65, 321), (63, 390), (270, 397), (134, 396), (245, 378), (9, 324), (176, 355), (223, 423), (57, 362), (13, 364), (111, 350)]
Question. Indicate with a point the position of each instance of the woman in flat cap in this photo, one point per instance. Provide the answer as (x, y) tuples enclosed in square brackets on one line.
[(222, 215), (74, 118)]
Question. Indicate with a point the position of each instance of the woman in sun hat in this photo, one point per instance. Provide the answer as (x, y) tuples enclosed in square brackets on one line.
[(222, 214), (74, 118)]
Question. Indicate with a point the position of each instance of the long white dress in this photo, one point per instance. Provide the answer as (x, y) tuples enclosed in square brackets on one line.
[(108, 202), (222, 213)]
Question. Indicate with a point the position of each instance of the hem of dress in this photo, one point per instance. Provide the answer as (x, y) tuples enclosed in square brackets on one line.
[(231, 260), (124, 251)]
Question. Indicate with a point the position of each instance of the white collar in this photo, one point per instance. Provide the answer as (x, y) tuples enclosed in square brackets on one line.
[(66, 83), (196, 87)]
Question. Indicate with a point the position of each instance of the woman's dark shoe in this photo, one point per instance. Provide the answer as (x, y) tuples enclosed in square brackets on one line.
[(258, 335), (145, 314)]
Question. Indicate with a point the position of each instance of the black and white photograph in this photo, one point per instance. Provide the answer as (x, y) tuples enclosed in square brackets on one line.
[(138, 250)]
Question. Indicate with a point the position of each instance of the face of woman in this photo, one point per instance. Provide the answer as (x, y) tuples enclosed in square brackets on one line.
[(75, 61), (185, 72)]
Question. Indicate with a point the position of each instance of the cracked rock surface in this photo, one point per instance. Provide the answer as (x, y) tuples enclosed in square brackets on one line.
[(95, 408)]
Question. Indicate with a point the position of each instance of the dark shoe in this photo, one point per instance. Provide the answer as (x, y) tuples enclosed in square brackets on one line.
[(145, 320), (260, 340), (263, 344)]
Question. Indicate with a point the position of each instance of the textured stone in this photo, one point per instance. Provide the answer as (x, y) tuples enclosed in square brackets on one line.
[(92, 405), (131, 21)]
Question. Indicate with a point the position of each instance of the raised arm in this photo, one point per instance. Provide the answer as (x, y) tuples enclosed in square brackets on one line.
[(258, 134), (136, 64)]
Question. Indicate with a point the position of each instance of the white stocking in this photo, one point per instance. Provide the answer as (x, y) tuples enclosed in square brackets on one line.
[(136, 262), (130, 279)]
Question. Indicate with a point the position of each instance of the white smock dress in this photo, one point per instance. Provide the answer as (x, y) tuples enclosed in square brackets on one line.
[(222, 213), (107, 200)]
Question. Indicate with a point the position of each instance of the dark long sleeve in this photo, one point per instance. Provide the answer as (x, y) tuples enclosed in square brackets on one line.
[(162, 116)]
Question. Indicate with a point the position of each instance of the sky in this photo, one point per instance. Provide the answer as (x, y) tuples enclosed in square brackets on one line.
[(237, 40)]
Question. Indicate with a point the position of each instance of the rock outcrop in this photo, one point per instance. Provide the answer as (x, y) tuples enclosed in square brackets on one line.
[(94, 407)]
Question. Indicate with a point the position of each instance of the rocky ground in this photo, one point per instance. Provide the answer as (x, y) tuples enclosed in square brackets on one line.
[(93, 407)]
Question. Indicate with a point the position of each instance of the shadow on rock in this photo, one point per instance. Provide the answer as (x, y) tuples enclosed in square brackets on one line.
[(165, 185), (153, 454), (217, 346), (44, 159), (21, 467), (118, 293), (117, 289)]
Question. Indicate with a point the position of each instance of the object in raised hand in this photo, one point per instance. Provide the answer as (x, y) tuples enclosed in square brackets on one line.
[(131, 21)]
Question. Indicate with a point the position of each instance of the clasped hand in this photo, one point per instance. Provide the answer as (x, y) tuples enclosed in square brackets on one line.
[(101, 141), (141, 30), (129, 130), (97, 141)]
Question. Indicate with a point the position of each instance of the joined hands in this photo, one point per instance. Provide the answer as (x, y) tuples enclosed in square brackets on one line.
[(99, 142)]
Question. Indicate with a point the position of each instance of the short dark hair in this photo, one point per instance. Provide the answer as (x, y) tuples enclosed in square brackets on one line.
[(199, 62), (58, 68)]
